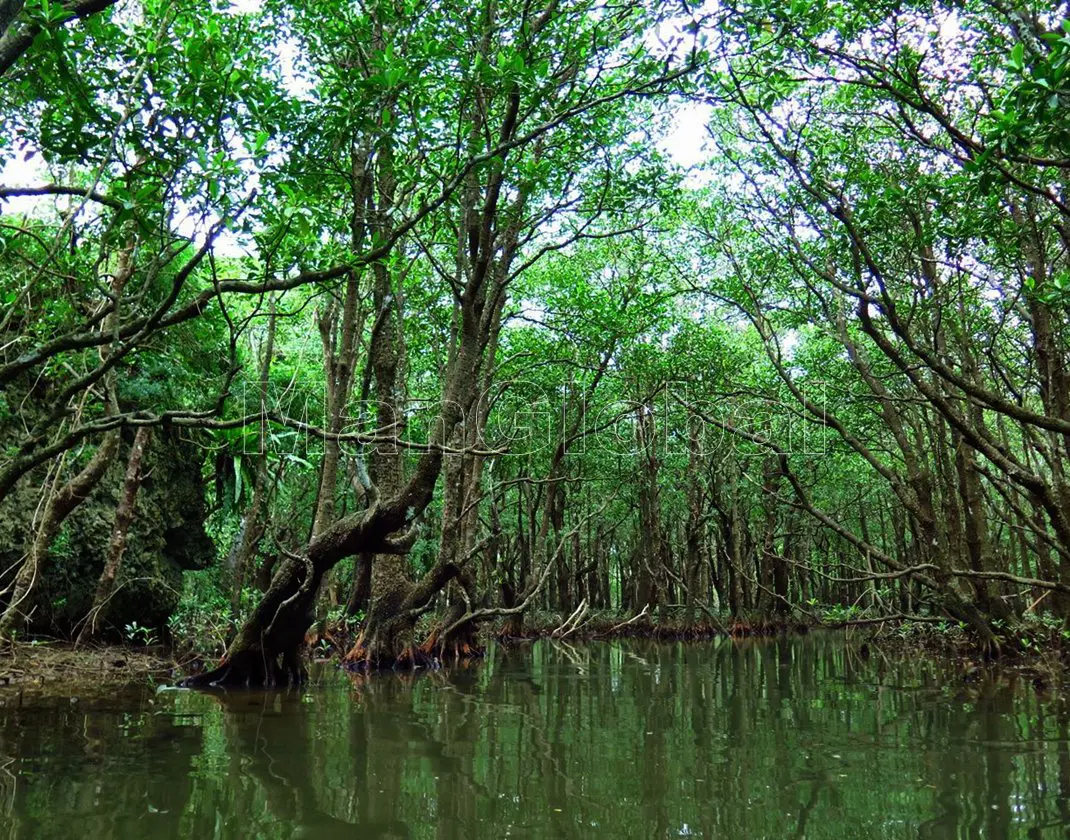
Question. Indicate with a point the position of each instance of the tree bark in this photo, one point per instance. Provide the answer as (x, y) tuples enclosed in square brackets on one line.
[(124, 516), (16, 40), (59, 506), (253, 531)]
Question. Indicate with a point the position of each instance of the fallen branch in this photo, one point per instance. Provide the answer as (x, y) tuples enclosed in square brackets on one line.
[(631, 620), (572, 621)]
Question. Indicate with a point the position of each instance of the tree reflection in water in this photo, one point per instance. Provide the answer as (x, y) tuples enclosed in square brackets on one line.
[(791, 737)]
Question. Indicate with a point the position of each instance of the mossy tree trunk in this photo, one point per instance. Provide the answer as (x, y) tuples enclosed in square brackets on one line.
[(60, 504), (266, 651)]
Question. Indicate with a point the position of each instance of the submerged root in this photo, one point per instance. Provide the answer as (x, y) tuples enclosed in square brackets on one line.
[(387, 646), (454, 641), (364, 659), (432, 654), (458, 648), (252, 669), (743, 628), (639, 627)]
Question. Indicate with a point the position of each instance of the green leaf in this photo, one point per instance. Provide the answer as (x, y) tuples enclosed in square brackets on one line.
[(1017, 58)]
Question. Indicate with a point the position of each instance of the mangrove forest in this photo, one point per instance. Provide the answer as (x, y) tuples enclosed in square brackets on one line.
[(421, 387)]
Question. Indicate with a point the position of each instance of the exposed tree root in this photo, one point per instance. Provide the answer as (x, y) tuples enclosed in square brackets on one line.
[(634, 619), (459, 646), (573, 623), (438, 649), (364, 659), (602, 628), (454, 639), (251, 669)]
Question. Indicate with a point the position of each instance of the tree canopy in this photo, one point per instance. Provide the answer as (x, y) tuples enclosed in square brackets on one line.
[(429, 297)]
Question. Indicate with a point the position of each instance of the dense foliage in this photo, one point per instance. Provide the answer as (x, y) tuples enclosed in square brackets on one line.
[(454, 331)]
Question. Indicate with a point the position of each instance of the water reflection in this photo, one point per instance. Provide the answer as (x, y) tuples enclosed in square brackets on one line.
[(784, 738)]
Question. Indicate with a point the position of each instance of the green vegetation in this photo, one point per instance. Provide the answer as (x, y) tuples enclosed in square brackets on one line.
[(421, 324)]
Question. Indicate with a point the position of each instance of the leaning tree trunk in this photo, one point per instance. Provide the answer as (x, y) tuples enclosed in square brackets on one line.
[(266, 651), (59, 506), (124, 515)]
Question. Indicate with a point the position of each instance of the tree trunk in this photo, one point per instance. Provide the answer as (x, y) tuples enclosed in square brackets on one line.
[(360, 594), (124, 515), (58, 507), (266, 649), (252, 531)]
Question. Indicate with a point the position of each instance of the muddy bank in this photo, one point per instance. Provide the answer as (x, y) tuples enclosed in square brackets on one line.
[(1040, 656), (53, 669), (43, 669)]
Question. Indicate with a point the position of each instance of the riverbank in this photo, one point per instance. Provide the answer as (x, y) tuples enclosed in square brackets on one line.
[(1041, 657), (1039, 653), (52, 667)]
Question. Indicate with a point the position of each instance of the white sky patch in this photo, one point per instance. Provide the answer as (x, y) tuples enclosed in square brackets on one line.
[(245, 7), (19, 172), (687, 142), (532, 312)]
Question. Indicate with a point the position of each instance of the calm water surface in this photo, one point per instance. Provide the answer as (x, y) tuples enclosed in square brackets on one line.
[(774, 739)]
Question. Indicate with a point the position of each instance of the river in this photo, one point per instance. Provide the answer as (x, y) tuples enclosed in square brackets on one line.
[(792, 737)]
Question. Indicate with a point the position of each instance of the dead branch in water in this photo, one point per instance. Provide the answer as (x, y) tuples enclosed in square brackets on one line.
[(631, 620)]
